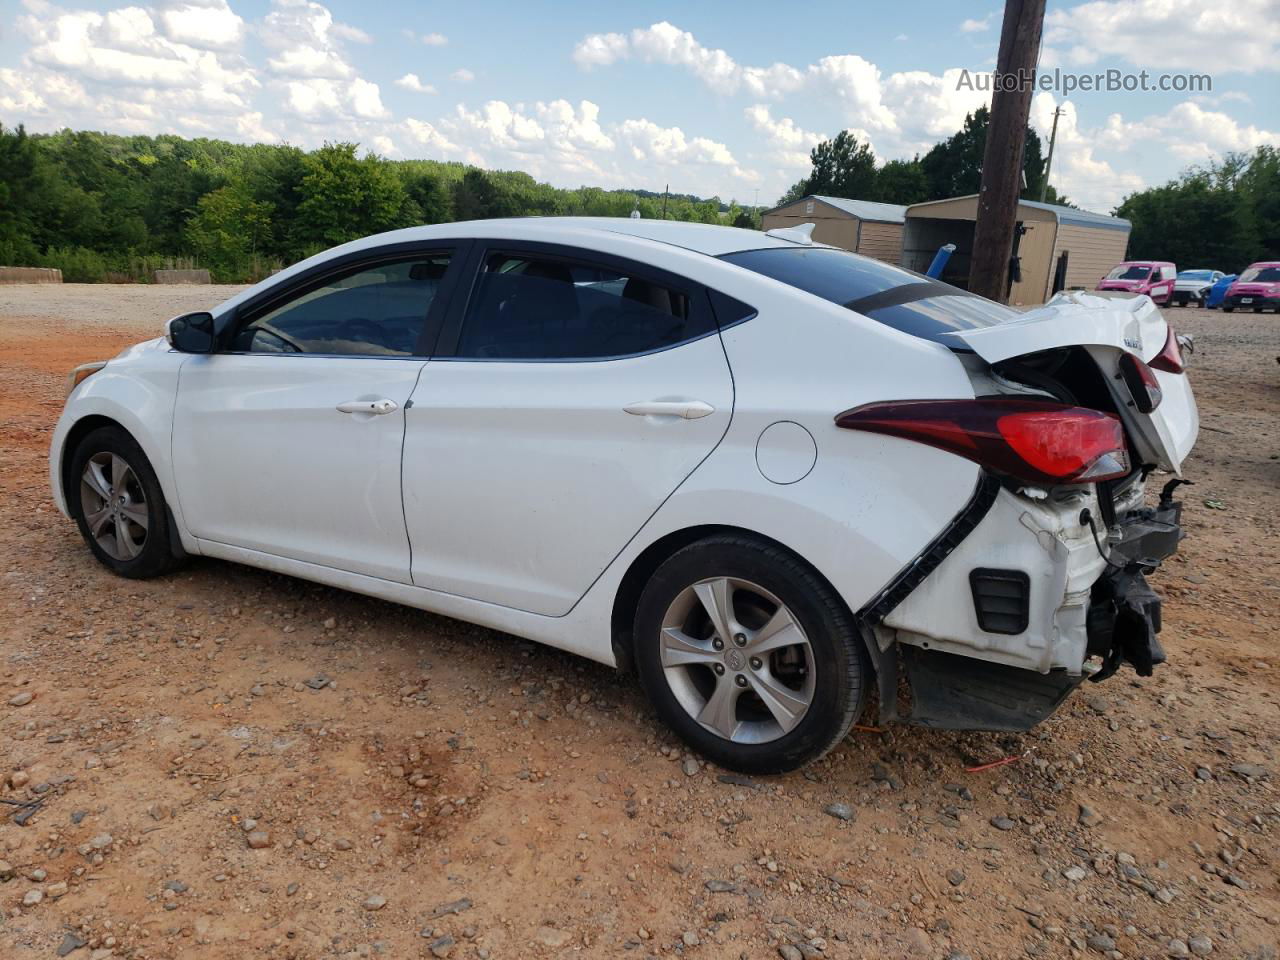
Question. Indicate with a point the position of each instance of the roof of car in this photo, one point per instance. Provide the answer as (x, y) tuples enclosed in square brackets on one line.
[(711, 239), (704, 238)]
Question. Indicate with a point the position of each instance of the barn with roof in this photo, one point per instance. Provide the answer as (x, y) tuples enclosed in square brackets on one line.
[(1057, 248), (872, 229)]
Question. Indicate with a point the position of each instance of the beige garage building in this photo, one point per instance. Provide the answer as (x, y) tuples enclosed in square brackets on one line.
[(872, 229), (1059, 248)]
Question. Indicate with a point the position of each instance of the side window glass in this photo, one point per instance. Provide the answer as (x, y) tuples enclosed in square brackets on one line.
[(543, 308), (377, 311)]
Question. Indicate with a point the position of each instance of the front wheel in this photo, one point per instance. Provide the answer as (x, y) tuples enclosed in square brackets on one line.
[(116, 500), (1226, 309), (749, 655)]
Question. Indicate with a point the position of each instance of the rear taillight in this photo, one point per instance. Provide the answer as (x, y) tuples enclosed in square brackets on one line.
[(1142, 383), (1038, 441), (1169, 359)]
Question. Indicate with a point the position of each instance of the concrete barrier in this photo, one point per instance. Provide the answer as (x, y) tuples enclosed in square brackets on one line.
[(30, 275), (181, 276)]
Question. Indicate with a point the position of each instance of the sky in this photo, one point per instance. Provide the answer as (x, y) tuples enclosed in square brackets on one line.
[(714, 98)]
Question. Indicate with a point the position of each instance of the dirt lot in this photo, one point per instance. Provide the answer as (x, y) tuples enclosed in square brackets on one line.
[(455, 792)]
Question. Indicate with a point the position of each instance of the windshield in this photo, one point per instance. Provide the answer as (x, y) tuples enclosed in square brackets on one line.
[(1264, 274), (906, 301), (1196, 275), (1129, 271)]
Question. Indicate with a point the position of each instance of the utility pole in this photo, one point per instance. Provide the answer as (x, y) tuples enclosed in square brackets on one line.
[(1048, 163), (665, 190), (1006, 136)]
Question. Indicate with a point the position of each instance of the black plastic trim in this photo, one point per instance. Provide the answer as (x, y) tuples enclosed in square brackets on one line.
[(914, 573), (980, 579)]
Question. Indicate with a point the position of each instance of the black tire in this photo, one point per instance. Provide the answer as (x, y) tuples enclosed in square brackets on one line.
[(154, 555), (1226, 309), (842, 670)]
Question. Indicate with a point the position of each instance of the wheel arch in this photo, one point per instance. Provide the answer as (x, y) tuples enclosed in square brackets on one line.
[(632, 584), (77, 432), (74, 435)]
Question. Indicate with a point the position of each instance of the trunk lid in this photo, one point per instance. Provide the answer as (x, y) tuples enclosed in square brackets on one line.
[(1106, 328)]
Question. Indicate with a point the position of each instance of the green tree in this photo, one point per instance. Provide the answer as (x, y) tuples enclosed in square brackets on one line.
[(901, 181), (843, 167), (797, 191), (229, 232), (345, 197), (953, 168), (18, 181)]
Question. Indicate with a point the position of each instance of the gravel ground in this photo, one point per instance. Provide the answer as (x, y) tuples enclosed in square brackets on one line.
[(229, 763)]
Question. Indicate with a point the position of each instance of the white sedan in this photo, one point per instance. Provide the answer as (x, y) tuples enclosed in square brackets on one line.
[(763, 473)]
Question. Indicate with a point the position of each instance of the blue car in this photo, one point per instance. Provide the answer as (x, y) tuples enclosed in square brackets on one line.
[(1218, 292)]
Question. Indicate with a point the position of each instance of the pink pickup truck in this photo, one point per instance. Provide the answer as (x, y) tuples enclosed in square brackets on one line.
[(1257, 287), (1153, 277)]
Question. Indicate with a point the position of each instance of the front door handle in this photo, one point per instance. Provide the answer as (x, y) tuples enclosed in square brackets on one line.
[(685, 409), (375, 407)]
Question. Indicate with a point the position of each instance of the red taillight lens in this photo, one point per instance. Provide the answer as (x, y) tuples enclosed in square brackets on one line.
[(1169, 359), (1038, 441), (1142, 383)]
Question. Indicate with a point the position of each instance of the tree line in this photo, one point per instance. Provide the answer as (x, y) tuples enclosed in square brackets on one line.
[(1222, 215), (107, 207)]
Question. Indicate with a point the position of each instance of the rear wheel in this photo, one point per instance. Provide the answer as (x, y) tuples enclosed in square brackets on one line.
[(748, 655), (116, 499)]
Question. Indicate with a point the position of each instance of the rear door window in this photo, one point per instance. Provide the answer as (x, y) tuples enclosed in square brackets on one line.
[(538, 307), (899, 298)]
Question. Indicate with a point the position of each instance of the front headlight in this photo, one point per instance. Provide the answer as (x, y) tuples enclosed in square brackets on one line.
[(82, 372)]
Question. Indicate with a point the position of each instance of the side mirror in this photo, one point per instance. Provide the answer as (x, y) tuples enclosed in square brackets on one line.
[(191, 332)]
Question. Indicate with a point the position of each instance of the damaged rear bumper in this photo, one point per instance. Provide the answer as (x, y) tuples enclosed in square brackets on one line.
[(1013, 618)]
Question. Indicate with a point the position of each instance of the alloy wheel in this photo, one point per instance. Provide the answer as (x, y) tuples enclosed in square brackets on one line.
[(114, 505), (737, 660)]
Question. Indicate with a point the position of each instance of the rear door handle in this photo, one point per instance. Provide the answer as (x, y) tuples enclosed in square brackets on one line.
[(685, 409), (375, 407)]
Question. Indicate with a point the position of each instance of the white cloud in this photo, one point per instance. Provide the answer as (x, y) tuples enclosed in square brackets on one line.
[(435, 39), (345, 31), (503, 125), (124, 49), (600, 49), (426, 135), (410, 81), (649, 143), (1194, 35), (212, 25), (462, 75), (1186, 133), (575, 127), (790, 145), (306, 44), (976, 26), (666, 43)]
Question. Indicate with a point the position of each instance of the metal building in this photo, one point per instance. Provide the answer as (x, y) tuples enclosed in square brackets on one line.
[(872, 229), (1058, 248)]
